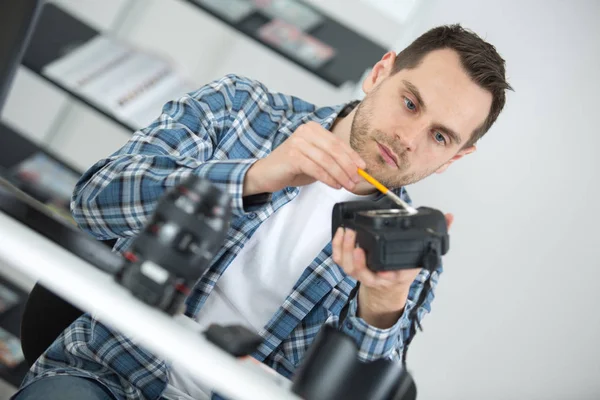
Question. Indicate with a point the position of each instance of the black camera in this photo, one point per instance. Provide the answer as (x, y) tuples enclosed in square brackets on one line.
[(177, 244), (392, 237), (331, 369)]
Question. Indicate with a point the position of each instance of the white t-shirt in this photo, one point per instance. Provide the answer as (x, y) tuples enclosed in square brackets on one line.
[(259, 279)]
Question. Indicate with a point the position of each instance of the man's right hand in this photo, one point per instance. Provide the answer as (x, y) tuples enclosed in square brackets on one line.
[(310, 154)]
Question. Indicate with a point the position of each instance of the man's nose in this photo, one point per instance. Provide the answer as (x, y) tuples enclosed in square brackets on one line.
[(409, 137)]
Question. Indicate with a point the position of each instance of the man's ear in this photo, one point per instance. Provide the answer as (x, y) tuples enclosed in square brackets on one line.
[(380, 71), (457, 157)]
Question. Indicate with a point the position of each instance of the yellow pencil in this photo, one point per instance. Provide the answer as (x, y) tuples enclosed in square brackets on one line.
[(387, 191)]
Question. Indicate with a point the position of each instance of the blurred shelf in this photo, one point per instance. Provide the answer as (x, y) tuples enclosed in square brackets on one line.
[(20, 158), (26, 205), (354, 52), (56, 34), (15, 148), (30, 211), (10, 321)]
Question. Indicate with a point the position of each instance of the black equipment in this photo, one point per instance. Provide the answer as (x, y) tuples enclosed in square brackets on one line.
[(188, 227), (331, 370), (186, 230), (177, 245), (393, 238)]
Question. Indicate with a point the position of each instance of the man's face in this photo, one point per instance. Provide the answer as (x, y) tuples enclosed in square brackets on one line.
[(416, 122)]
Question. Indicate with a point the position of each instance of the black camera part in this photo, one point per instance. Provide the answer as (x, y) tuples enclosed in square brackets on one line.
[(236, 340), (331, 369), (177, 244), (392, 238)]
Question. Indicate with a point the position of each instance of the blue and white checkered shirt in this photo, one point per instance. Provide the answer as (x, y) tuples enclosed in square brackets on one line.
[(216, 132)]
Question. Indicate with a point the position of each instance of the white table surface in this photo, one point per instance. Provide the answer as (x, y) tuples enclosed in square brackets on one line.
[(87, 287)]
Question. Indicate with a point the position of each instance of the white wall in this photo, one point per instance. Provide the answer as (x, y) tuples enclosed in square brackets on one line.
[(516, 312)]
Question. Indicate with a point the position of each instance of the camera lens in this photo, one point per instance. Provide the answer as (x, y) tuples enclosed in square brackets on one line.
[(388, 213)]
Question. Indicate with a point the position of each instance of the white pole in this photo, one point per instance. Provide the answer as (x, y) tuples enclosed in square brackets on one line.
[(95, 291)]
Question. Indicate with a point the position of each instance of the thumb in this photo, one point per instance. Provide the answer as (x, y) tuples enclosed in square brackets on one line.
[(449, 220)]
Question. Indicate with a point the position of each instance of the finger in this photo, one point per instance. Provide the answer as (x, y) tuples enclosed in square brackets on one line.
[(344, 156), (329, 163), (322, 135), (348, 245), (347, 159), (449, 220), (388, 275), (363, 274), (336, 245), (310, 168), (337, 144), (401, 276)]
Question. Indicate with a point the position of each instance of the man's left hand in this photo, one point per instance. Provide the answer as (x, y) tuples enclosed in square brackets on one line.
[(381, 295)]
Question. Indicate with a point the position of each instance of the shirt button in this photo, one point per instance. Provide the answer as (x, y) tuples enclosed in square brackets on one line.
[(252, 215), (349, 325)]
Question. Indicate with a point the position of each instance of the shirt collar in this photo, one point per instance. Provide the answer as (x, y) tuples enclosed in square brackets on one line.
[(324, 116)]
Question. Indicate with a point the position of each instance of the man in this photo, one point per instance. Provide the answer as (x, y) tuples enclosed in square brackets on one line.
[(284, 162)]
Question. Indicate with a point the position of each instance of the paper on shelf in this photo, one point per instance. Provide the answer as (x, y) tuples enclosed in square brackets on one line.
[(148, 108), (128, 83), (292, 41), (80, 65)]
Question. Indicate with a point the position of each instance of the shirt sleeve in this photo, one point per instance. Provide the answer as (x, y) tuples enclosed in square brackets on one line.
[(114, 198), (375, 343)]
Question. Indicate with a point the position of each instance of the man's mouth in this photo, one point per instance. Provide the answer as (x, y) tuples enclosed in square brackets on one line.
[(388, 155)]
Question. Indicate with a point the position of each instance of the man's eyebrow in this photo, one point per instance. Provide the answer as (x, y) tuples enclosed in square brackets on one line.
[(455, 137), (415, 92)]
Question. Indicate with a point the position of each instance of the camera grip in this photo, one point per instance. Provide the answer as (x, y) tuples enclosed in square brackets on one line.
[(391, 238)]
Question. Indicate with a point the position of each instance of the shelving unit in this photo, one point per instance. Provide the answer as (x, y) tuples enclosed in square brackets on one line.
[(354, 52), (28, 210), (10, 321), (15, 148), (58, 32)]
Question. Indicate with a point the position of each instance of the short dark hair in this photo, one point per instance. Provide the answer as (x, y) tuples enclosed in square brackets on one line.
[(480, 60)]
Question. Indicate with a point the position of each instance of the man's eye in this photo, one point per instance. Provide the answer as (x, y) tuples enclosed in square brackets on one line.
[(409, 104), (440, 138)]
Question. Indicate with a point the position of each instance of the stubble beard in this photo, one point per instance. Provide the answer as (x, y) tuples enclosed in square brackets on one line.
[(362, 138)]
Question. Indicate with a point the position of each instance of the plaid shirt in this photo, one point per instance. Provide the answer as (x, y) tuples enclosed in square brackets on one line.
[(216, 132)]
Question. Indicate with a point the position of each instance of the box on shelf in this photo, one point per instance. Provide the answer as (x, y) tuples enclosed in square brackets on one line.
[(291, 11), (292, 41)]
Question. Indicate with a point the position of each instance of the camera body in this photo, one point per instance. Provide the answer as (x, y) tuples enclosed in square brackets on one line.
[(392, 238), (177, 244)]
